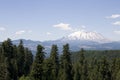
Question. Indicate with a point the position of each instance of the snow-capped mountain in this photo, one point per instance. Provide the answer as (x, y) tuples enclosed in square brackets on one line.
[(76, 40), (84, 35)]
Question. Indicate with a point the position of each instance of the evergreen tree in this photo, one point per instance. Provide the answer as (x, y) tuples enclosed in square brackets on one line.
[(83, 66), (28, 61), (66, 65), (104, 69), (20, 59), (93, 69), (4, 70), (81, 57), (76, 71), (47, 70), (7, 51), (14, 63), (115, 66), (54, 61), (37, 69), (7, 48), (2, 56)]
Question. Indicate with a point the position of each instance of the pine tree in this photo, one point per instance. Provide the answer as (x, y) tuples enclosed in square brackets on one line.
[(47, 70), (28, 61), (76, 71), (115, 66), (37, 69), (93, 69), (83, 66), (66, 65), (54, 62), (4, 70), (14, 63), (7, 48), (20, 59), (7, 51), (104, 69), (81, 57)]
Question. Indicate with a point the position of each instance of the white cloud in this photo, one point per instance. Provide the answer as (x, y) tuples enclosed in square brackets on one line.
[(48, 33), (117, 23), (63, 26), (114, 16), (2, 29), (20, 32), (117, 32)]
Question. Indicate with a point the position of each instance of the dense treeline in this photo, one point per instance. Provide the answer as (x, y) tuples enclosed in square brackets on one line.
[(16, 63), (98, 54)]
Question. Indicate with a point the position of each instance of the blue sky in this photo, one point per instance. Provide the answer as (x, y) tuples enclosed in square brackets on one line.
[(52, 19)]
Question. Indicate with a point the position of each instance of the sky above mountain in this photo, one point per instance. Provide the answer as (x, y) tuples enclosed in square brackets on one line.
[(52, 19)]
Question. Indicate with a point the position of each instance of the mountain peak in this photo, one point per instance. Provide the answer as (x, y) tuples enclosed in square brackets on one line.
[(84, 35)]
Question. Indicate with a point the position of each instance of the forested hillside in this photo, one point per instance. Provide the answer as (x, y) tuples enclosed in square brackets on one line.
[(98, 54), (18, 63)]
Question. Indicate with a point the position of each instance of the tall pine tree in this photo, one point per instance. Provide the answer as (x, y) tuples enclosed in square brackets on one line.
[(28, 61), (7, 51), (66, 64), (37, 68), (20, 59), (82, 65), (54, 62)]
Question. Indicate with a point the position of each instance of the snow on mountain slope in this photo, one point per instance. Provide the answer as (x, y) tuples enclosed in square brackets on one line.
[(83, 35)]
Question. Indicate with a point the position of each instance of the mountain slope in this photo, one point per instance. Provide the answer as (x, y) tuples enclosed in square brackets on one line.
[(77, 40), (84, 35), (28, 43)]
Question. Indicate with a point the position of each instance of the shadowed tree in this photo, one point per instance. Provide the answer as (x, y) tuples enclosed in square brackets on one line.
[(54, 62), (37, 68), (66, 65), (28, 61), (20, 59)]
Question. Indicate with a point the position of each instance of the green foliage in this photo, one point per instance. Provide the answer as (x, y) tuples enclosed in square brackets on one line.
[(82, 65), (76, 72), (118, 75), (21, 58), (25, 78), (28, 61), (104, 69), (12, 60), (4, 72), (66, 65), (37, 69), (16, 63), (54, 62), (47, 70)]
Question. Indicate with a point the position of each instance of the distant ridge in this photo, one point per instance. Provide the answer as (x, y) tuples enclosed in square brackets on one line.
[(76, 40)]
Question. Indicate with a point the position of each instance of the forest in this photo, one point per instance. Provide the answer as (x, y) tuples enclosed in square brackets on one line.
[(18, 63)]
